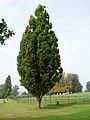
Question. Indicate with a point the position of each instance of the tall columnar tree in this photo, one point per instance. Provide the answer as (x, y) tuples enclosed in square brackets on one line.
[(5, 33), (38, 62), (5, 89), (8, 86)]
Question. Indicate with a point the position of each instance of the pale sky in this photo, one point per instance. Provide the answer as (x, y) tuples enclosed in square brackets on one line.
[(71, 23)]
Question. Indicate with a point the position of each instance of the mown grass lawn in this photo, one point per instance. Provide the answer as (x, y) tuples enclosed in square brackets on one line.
[(13, 110)]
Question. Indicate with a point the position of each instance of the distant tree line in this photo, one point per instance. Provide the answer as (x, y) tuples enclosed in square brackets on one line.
[(68, 83)]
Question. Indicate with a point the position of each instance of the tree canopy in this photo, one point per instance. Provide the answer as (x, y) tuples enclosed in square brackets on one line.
[(8, 86), (76, 85), (2, 91), (5, 89), (5, 33), (68, 83), (38, 62)]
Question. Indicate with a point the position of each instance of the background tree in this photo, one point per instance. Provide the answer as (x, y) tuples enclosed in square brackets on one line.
[(69, 78), (5, 33), (77, 87), (88, 86), (69, 83), (38, 62), (5, 89), (60, 87), (8, 86), (14, 91), (73, 84), (2, 91)]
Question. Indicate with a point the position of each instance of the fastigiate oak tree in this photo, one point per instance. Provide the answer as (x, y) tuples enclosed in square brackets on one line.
[(38, 62)]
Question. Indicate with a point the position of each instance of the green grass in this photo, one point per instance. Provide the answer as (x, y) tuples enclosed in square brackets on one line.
[(13, 110)]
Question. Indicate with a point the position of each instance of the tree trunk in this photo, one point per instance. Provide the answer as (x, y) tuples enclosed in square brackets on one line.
[(39, 99)]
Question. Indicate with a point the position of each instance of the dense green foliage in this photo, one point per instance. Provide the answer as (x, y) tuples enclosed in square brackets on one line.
[(88, 86), (5, 89), (5, 33), (76, 85), (8, 86), (2, 91), (38, 62)]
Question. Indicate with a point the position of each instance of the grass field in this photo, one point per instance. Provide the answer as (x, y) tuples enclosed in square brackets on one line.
[(13, 110)]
